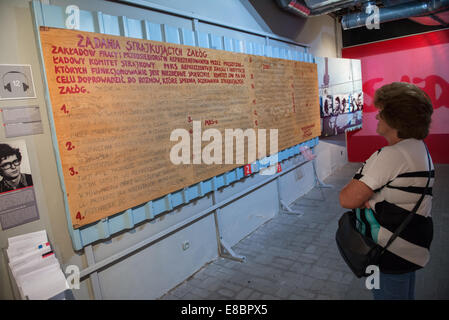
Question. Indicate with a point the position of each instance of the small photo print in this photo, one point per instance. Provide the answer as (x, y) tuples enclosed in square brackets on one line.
[(357, 101), (327, 106), (329, 126), (346, 104), (338, 107), (17, 199), (15, 171)]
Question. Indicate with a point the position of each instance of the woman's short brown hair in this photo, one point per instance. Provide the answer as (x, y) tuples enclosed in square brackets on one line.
[(406, 108)]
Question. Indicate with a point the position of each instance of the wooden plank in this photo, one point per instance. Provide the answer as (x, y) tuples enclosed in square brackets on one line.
[(116, 101)]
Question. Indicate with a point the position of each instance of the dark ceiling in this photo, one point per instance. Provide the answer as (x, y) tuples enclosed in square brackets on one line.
[(397, 18), (388, 30)]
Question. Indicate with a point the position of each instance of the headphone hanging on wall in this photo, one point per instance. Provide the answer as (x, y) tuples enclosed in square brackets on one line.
[(8, 87)]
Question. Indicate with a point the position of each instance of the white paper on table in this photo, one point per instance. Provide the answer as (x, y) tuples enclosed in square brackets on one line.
[(44, 283), (33, 266), (34, 255), (14, 254), (38, 234)]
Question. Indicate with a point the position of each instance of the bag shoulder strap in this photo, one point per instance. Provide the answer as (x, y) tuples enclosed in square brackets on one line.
[(410, 216)]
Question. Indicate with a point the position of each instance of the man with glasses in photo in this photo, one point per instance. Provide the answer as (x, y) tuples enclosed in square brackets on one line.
[(11, 178)]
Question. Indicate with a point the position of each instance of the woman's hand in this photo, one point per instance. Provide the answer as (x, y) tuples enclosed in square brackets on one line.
[(365, 205)]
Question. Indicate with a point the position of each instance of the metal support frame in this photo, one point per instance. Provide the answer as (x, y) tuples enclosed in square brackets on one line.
[(231, 254), (93, 268), (224, 249), (94, 275), (318, 183), (285, 208)]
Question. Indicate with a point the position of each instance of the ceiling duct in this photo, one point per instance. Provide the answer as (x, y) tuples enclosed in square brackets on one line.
[(311, 8), (316, 4), (402, 11), (428, 12)]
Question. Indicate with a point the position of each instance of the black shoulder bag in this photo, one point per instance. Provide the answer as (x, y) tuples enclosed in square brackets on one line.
[(360, 251)]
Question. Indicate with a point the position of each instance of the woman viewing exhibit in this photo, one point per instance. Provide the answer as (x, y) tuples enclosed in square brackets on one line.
[(391, 183)]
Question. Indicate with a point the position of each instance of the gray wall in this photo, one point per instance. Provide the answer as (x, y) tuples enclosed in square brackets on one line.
[(322, 33), (159, 267)]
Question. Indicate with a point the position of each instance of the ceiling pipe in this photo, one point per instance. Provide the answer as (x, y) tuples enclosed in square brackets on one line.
[(403, 11), (300, 8)]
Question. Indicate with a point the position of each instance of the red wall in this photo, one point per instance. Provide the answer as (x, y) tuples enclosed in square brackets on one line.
[(420, 59)]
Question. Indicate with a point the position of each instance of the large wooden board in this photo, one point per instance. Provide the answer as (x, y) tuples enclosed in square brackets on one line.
[(116, 100)]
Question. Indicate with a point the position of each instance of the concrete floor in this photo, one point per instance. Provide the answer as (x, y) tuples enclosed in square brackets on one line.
[(295, 257)]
